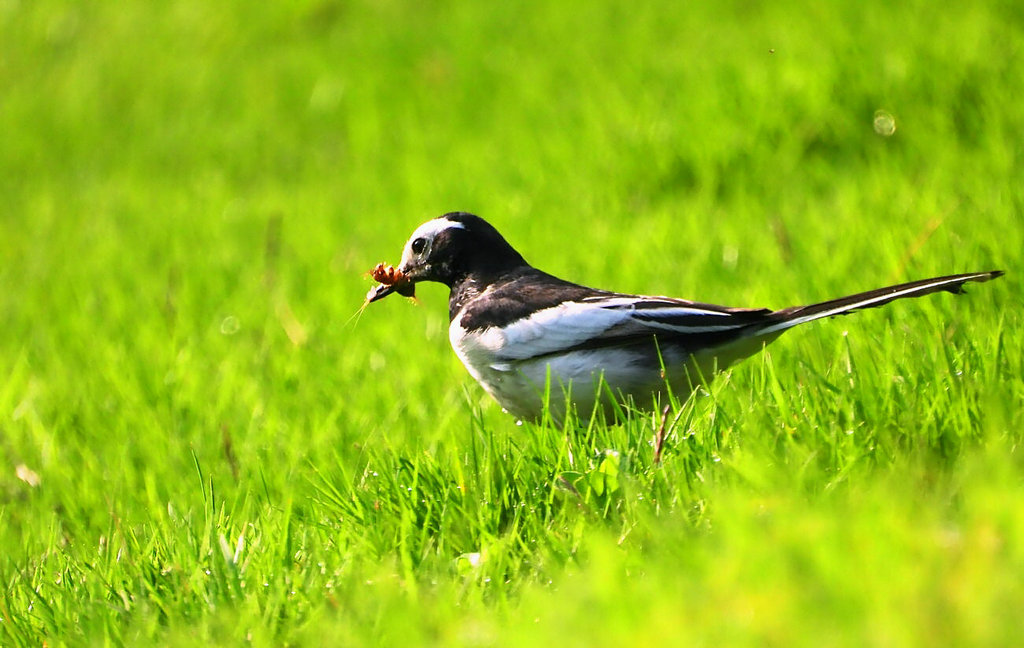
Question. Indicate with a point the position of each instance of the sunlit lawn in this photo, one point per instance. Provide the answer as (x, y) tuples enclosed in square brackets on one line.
[(202, 442)]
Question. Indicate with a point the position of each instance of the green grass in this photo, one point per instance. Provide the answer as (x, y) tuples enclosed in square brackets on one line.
[(199, 443)]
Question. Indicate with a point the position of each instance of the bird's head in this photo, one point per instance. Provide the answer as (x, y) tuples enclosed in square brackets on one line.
[(449, 249)]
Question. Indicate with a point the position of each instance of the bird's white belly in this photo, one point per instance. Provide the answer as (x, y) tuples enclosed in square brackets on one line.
[(524, 387)]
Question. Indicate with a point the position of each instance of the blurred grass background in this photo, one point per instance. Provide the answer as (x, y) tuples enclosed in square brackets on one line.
[(190, 193)]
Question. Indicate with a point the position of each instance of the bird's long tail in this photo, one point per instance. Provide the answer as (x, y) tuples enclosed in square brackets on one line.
[(796, 315)]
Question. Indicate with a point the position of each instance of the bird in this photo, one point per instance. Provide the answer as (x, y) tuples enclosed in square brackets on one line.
[(542, 346)]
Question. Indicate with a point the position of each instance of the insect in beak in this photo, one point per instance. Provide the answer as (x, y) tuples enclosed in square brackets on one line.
[(391, 280)]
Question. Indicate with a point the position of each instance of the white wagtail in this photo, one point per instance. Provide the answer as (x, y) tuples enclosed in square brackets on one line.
[(524, 334)]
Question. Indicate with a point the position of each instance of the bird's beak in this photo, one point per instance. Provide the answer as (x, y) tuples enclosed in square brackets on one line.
[(380, 291), (405, 288)]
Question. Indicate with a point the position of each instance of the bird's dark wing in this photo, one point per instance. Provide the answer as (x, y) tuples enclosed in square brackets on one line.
[(609, 320)]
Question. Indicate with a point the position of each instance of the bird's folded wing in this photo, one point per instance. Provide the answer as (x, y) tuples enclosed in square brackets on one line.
[(603, 322)]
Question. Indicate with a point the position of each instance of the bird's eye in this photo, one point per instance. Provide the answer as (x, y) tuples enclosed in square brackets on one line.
[(419, 245)]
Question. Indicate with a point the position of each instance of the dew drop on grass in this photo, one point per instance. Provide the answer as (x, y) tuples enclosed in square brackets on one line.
[(230, 325), (884, 123)]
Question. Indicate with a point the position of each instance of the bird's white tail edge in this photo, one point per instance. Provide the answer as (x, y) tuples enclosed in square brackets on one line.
[(796, 315)]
